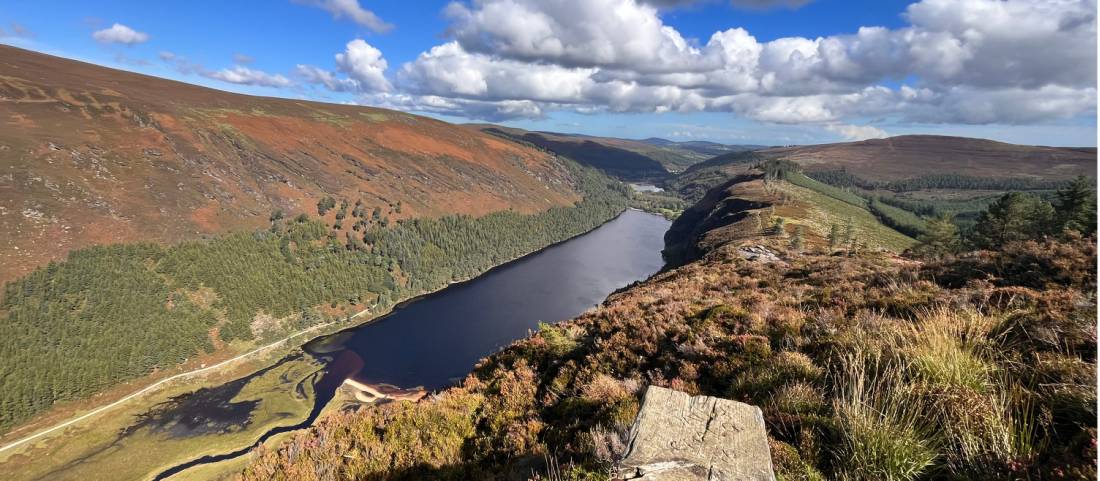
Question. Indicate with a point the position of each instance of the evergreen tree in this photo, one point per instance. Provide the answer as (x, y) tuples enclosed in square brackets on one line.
[(834, 236), (849, 233), (1076, 204), (779, 228), (1015, 216), (797, 241), (325, 204), (940, 238)]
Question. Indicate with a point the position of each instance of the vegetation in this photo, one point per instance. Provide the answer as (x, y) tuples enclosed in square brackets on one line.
[(865, 368), (898, 219), (119, 312), (661, 203), (842, 178), (949, 365)]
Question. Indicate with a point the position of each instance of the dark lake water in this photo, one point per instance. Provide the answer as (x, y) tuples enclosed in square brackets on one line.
[(435, 340)]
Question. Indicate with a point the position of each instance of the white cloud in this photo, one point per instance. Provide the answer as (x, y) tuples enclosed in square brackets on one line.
[(353, 11), (856, 132), (961, 61), (363, 64), (241, 75), (119, 33)]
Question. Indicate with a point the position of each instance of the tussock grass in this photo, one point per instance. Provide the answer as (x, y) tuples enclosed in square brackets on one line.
[(884, 434)]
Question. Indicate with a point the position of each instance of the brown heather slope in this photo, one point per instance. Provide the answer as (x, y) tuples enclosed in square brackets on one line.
[(91, 155), (913, 155)]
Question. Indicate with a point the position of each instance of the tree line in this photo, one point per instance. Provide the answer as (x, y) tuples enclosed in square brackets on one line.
[(843, 178), (1015, 217)]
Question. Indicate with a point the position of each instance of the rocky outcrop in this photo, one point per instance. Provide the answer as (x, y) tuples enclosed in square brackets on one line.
[(678, 437), (710, 222)]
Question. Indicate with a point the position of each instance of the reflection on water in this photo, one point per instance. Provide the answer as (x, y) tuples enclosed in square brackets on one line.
[(435, 341)]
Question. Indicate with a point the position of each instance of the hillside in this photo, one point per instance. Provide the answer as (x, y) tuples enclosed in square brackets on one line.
[(91, 155), (643, 160), (891, 163), (702, 146), (913, 155), (867, 365)]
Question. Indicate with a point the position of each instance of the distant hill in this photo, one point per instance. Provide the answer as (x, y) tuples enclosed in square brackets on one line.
[(912, 155), (91, 155), (911, 158), (641, 160), (703, 146)]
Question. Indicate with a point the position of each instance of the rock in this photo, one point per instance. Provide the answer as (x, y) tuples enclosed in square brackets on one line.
[(677, 437), (760, 254)]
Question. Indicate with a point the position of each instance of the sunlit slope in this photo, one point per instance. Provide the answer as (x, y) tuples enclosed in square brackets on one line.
[(91, 155)]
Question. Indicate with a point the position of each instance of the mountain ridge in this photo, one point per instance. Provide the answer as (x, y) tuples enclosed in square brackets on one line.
[(92, 155)]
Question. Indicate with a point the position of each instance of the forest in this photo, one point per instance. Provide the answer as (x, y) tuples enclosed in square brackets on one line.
[(114, 313)]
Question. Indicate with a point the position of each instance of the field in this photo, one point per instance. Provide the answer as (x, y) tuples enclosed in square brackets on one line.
[(168, 427)]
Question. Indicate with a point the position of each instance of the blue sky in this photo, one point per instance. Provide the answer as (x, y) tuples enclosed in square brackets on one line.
[(835, 83)]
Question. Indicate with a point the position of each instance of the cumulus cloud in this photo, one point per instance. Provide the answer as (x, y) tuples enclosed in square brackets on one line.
[(241, 75), (960, 61), (119, 33), (364, 67), (351, 10), (856, 132), (365, 64)]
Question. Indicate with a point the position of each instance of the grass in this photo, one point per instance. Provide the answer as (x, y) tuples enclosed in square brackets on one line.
[(823, 211), (96, 449), (843, 195), (884, 435), (865, 367)]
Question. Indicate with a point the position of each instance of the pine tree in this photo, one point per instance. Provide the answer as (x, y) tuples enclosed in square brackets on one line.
[(779, 228), (1076, 204), (1016, 216), (940, 238), (834, 236), (849, 233), (797, 242)]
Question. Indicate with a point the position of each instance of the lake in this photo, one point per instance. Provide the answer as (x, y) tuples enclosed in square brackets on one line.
[(645, 188), (435, 340)]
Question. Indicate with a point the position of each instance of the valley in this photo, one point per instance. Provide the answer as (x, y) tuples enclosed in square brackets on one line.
[(200, 285)]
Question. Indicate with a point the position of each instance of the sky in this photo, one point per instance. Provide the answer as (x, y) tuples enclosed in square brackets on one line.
[(770, 72)]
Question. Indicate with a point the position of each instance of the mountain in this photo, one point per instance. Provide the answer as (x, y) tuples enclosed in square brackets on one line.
[(641, 160), (912, 155), (906, 163), (703, 146), (91, 155)]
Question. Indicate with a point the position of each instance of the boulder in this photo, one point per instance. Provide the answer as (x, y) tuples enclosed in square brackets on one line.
[(678, 437)]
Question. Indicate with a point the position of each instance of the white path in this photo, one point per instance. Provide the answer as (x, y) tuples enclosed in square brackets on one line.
[(166, 380)]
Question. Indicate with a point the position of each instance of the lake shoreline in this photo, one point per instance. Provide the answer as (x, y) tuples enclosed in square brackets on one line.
[(275, 350), (356, 385)]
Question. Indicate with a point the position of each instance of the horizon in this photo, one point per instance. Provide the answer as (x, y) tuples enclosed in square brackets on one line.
[(740, 72)]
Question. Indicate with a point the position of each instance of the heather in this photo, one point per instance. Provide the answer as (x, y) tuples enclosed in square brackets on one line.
[(867, 366)]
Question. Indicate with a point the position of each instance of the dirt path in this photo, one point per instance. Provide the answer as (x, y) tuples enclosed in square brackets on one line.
[(166, 380)]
